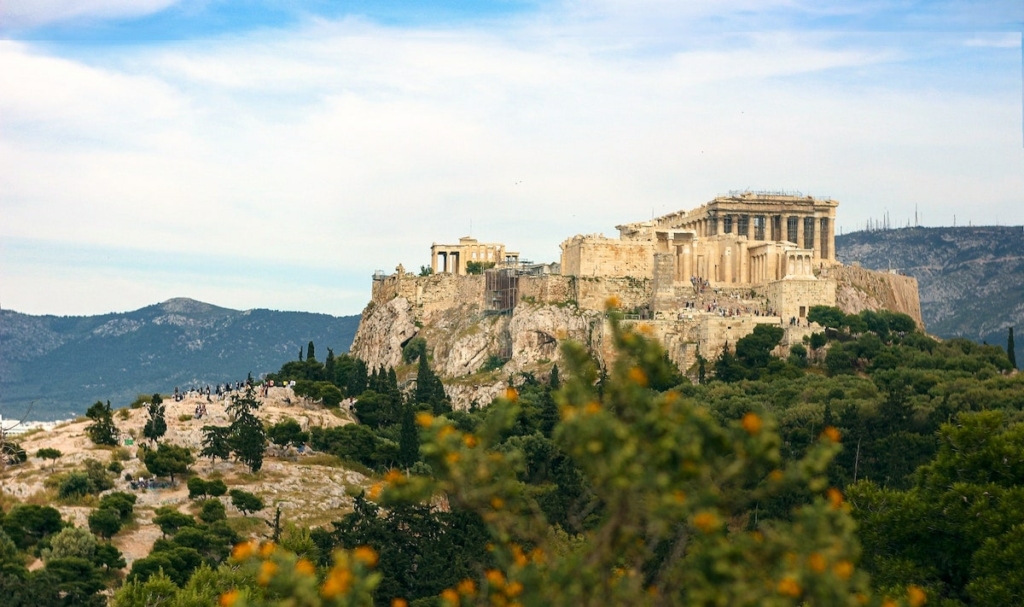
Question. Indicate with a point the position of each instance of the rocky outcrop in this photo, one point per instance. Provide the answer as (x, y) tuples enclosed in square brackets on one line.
[(858, 289), (384, 329)]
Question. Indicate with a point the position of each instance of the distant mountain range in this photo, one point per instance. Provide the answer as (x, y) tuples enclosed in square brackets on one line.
[(971, 279), (63, 364)]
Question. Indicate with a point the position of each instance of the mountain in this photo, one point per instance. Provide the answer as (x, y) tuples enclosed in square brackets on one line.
[(65, 363), (971, 279)]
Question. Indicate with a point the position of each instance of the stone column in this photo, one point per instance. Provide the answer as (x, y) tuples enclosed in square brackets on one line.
[(799, 232), (727, 263), (742, 262)]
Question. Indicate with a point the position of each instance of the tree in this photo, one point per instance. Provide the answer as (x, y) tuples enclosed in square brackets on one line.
[(247, 438), (168, 460), (156, 425), (102, 431), (27, 524), (51, 454), (827, 316), (1011, 351), (170, 520), (408, 438), (310, 352), (245, 502), (287, 431), (754, 350), (123, 503), (675, 485), (216, 442), (105, 522), (212, 511), (248, 443), (70, 542), (196, 488)]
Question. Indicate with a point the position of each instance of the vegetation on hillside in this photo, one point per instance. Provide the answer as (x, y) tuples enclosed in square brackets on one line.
[(872, 465)]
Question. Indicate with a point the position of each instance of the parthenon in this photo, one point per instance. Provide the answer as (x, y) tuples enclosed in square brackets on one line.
[(745, 238)]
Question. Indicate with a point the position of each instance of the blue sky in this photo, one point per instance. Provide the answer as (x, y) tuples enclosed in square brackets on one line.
[(275, 153)]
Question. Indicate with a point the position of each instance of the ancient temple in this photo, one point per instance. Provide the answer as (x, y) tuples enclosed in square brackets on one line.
[(748, 238)]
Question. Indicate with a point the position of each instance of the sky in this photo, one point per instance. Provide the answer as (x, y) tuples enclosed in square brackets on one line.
[(275, 153)]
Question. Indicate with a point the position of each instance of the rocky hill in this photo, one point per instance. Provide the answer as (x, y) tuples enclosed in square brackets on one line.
[(971, 279), (65, 363)]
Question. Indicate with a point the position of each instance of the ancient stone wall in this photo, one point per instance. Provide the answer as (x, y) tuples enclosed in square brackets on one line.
[(601, 256), (593, 293), (793, 297), (550, 289)]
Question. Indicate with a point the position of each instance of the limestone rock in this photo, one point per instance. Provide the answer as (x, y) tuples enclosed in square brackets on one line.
[(382, 331)]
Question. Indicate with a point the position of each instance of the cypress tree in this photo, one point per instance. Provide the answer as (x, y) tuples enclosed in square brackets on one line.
[(1010, 350), (408, 439), (554, 382), (310, 351)]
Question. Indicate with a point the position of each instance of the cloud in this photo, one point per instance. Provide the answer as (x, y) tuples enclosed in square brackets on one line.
[(34, 13), (326, 151)]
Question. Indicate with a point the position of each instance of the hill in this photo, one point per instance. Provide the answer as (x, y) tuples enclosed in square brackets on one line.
[(971, 279), (65, 363)]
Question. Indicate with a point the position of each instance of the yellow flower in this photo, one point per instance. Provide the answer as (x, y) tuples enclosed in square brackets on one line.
[(228, 598), (613, 303), (789, 587), (267, 549), (679, 496), (399, 603), (537, 555), (470, 441), (450, 596), (452, 458), (424, 419), (752, 423), (304, 567), (567, 412), (495, 578), (706, 520), (374, 491), (646, 329), (243, 551), (467, 587), (835, 497), (776, 475), (888, 603), (832, 434), (817, 562), (637, 376), (497, 503), (843, 570), (366, 556), (511, 394), (267, 571), (393, 477), (514, 589), (916, 597), (519, 557), (338, 582), (445, 431), (592, 408)]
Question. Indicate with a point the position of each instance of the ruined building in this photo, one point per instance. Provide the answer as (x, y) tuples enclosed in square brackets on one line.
[(697, 280)]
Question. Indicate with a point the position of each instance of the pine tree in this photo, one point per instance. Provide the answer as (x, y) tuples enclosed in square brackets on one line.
[(554, 381), (102, 431), (247, 438), (310, 355), (1010, 350), (156, 426), (409, 438)]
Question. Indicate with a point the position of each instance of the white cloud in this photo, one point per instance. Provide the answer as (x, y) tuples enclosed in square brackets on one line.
[(348, 146), (32, 13)]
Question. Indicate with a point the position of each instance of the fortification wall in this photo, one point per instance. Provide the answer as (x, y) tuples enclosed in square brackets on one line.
[(596, 256), (592, 293), (793, 297), (549, 289), (861, 289), (430, 295)]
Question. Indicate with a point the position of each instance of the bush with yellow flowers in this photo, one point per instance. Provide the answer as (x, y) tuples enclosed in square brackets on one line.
[(279, 577), (677, 489)]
